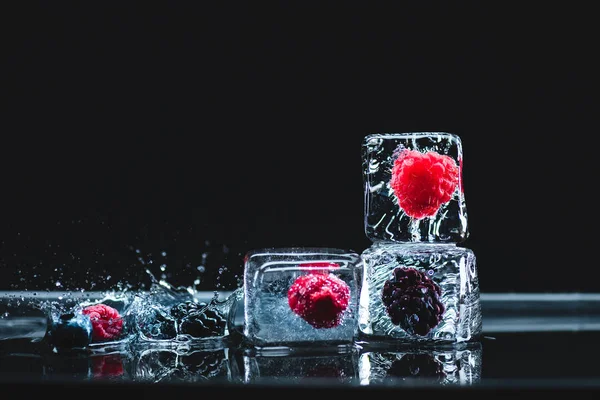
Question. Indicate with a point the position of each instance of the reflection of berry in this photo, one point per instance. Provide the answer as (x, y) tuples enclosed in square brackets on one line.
[(412, 300), (106, 322), (324, 371), (70, 331), (416, 365), (203, 364), (320, 299), (199, 319), (422, 182), (106, 366)]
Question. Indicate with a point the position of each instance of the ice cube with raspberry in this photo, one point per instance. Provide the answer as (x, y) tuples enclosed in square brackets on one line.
[(301, 296), (413, 187)]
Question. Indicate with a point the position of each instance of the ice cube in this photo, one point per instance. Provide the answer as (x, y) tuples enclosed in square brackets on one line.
[(413, 187), (301, 296), (458, 366), (419, 292)]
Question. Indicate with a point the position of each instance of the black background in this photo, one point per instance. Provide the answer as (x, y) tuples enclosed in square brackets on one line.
[(220, 127)]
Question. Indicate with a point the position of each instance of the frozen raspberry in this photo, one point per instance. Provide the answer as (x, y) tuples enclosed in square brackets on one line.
[(106, 322), (320, 299), (422, 182), (313, 265), (319, 264), (412, 301)]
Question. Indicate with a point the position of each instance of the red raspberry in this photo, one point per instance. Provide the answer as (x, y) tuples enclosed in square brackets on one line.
[(320, 299), (422, 182), (311, 265), (106, 322), (320, 264)]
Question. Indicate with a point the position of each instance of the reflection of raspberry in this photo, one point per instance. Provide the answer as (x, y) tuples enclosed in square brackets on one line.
[(106, 322), (320, 299), (422, 182), (324, 371), (105, 366), (412, 300)]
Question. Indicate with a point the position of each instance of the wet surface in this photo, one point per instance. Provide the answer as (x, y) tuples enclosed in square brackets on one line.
[(527, 343)]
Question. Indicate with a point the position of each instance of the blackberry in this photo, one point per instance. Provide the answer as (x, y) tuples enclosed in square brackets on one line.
[(156, 325), (199, 320), (417, 366), (412, 300)]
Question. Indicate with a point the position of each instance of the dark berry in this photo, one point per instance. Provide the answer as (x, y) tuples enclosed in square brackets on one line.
[(320, 299), (70, 331), (413, 301), (157, 325), (202, 364), (199, 320), (417, 366)]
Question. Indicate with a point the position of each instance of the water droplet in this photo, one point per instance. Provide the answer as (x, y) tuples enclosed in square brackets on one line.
[(163, 267), (164, 254), (201, 268), (58, 284)]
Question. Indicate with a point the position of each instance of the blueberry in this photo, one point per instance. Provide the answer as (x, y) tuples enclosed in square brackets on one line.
[(70, 331)]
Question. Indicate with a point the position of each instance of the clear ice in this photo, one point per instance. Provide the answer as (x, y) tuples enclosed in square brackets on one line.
[(449, 267), (268, 276), (443, 366), (384, 218)]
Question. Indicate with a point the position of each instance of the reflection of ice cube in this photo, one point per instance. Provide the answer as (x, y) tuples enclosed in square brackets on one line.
[(268, 275), (432, 366), (162, 365), (385, 219), (451, 268), (335, 368)]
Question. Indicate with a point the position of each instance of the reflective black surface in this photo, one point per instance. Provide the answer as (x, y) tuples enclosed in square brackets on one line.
[(556, 347)]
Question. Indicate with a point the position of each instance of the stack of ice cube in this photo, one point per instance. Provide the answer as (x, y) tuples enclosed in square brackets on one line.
[(413, 284), (419, 284)]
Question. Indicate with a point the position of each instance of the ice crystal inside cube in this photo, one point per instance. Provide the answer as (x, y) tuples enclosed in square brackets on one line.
[(413, 187), (435, 366), (269, 318), (402, 306)]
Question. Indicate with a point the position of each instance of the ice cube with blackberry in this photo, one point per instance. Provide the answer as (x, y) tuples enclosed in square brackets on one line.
[(420, 293)]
